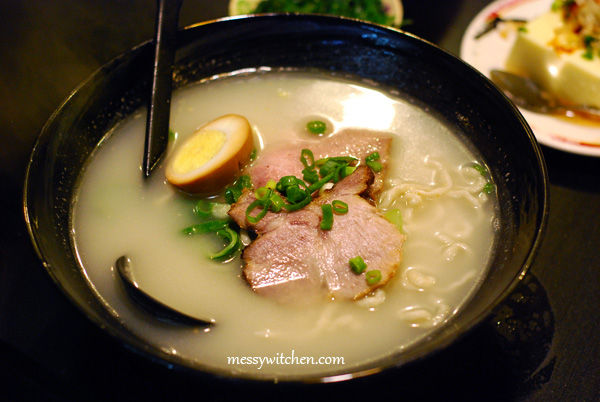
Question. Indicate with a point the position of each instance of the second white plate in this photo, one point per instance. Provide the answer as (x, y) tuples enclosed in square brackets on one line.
[(490, 51)]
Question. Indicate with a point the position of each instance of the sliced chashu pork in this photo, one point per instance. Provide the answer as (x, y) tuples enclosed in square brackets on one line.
[(285, 160), (292, 259)]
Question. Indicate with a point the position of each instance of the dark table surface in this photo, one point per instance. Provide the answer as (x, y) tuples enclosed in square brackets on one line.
[(541, 345)]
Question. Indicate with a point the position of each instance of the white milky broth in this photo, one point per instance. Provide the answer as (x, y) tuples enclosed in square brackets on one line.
[(448, 221)]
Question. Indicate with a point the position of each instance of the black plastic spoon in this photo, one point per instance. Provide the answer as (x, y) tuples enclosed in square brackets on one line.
[(157, 121), (528, 95), (156, 141), (149, 303)]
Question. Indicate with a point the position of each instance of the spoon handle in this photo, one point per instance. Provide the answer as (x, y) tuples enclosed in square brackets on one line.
[(157, 120)]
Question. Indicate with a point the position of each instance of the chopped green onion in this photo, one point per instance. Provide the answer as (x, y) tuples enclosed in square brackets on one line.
[(372, 277), (394, 216), (372, 157), (482, 171), (255, 204), (307, 158), (337, 159), (233, 192), (271, 199), (348, 170), (375, 166), (488, 188), (271, 184), (253, 154), (372, 161), (207, 227), (588, 54), (316, 127), (233, 238), (318, 184), (357, 265), (295, 194), (339, 207), (172, 135), (328, 167), (277, 203), (327, 219), (244, 181), (310, 175), (340, 173), (208, 209), (203, 209), (287, 181), (298, 205), (263, 193)]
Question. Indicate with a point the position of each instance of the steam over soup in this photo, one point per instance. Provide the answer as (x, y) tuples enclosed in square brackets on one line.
[(435, 191)]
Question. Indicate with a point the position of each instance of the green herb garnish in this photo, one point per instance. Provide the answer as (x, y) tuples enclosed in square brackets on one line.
[(394, 216), (291, 193), (588, 41), (233, 192), (368, 10), (264, 208), (233, 239), (373, 277), (373, 162), (205, 209), (327, 219), (357, 265), (488, 188), (316, 127), (339, 207), (482, 171), (207, 227)]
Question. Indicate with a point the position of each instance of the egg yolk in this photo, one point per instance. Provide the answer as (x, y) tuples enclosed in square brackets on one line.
[(199, 150)]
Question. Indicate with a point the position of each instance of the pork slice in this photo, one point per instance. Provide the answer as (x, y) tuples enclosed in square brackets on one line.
[(281, 161), (237, 212), (284, 160), (292, 259), (282, 263)]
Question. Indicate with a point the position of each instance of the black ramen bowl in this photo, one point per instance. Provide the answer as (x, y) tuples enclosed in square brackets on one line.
[(414, 68)]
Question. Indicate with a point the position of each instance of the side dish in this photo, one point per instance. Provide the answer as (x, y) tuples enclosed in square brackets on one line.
[(560, 51), (385, 12)]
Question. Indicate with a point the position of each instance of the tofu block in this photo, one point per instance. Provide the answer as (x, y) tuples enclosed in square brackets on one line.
[(569, 76)]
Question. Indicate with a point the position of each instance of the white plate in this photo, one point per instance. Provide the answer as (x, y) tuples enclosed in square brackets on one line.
[(490, 52)]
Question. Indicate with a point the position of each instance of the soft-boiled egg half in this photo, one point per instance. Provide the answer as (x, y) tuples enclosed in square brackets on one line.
[(212, 156)]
